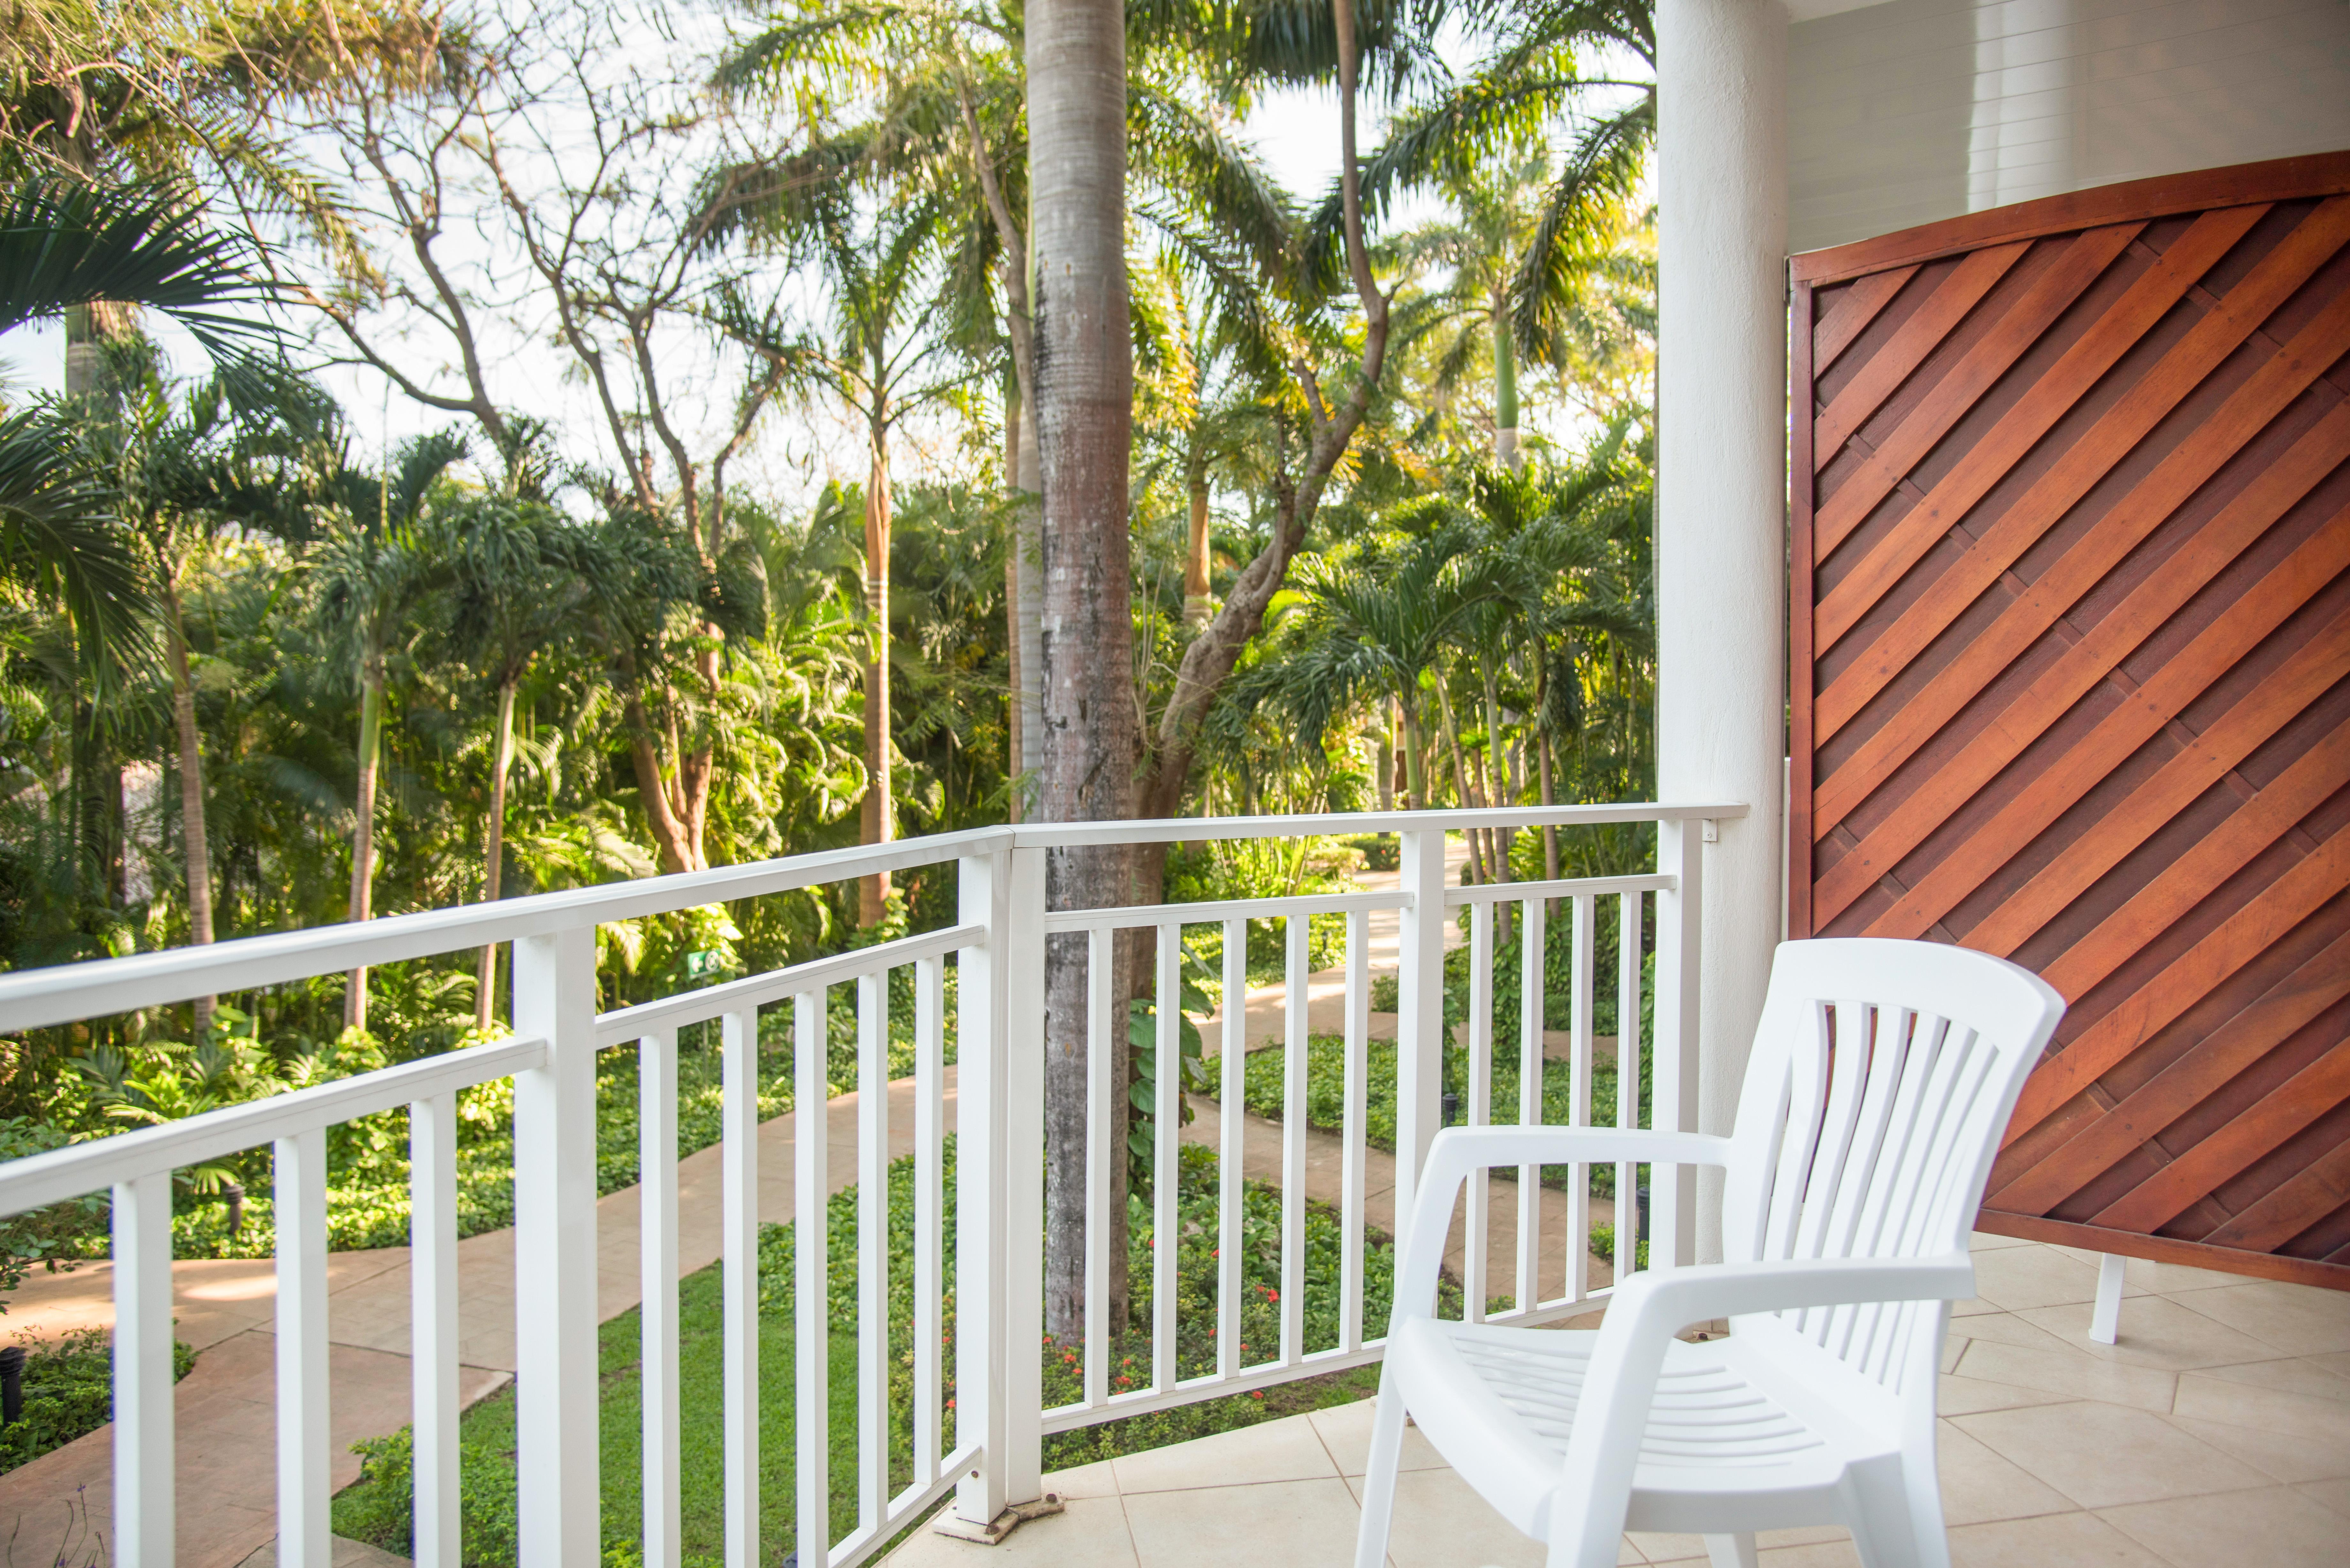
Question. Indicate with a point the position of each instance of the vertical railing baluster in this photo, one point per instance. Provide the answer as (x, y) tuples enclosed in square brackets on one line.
[(1358, 1077), (146, 1517), (1627, 1080), (1530, 1101), (433, 1332), (1354, 1086), (657, 1316), (1672, 1206), (873, 1248), (812, 1391), (555, 1383), (1292, 1143), (929, 1211), (1231, 1166), (738, 1125), (1103, 1039), (1166, 1159), (1421, 1036), (1479, 1242), (303, 1487), (1578, 1090)]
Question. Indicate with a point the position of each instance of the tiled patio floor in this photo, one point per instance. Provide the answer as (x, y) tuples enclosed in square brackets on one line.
[(2215, 1435)]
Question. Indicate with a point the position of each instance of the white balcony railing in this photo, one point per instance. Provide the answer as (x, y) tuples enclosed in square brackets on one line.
[(987, 1449)]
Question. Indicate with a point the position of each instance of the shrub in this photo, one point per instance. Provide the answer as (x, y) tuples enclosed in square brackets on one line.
[(68, 1391)]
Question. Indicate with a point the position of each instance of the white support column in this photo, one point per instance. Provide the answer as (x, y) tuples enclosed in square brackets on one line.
[(1721, 493), (1419, 1019), (556, 1382), (304, 1486)]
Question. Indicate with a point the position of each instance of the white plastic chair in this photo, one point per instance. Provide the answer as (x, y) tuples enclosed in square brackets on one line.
[(1882, 1074)]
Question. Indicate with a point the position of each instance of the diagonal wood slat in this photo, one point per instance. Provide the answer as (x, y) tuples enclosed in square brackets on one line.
[(2072, 683), (2082, 263), (2034, 414), (1995, 548), (1911, 342)]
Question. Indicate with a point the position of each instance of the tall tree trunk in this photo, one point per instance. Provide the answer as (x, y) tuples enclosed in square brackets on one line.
[(1015, 709), (1024, 583), (486, 977), (1084, 395), (875, 823), (192, 837), (1498, 838), (363, 905), (1030, 521), (1460, 775), (1505, 382), (1384, 766), (1195, 557), (1415, 759), (1550, 830)]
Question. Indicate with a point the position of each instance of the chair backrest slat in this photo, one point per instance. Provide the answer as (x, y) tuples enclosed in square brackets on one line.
[(1881, 1076)]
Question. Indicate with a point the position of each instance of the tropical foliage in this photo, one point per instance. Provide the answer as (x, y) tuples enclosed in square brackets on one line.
[(716, 526)]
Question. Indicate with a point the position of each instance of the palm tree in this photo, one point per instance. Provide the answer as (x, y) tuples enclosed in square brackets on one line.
[(1378, 623), (512, 588), (368, 574), (181, 471), (1477, 251), (1532, 78), (64, 245)]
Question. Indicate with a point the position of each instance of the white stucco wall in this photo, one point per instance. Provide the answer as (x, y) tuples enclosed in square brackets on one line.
[(1914, 110)]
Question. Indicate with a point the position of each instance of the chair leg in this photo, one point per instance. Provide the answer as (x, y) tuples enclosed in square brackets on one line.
[(1730, 1551), (1891, 1528), (1379, 1475)]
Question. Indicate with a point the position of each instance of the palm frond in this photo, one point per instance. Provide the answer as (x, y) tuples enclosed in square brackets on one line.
[(63, 242)]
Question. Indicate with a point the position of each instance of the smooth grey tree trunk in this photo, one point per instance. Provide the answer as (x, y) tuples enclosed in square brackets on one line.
[(1084, 395)]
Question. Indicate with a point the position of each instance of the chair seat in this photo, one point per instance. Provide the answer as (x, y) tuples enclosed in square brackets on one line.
[(1724, 1437)]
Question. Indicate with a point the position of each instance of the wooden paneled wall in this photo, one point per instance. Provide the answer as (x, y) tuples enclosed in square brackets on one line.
[(2072, 678)]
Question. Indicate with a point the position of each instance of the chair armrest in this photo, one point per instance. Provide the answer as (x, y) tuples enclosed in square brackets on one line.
[(1603, 1447), (1668, 1301), (1456, 1152)]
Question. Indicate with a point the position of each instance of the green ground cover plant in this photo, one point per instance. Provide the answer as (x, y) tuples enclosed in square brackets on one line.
[(68, 1391), (377, 1508), (1325, 1088)]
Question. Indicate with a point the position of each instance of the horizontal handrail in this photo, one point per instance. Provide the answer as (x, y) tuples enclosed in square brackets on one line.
[(39, 998), (1186, 829), (1564, 887), (41, 1179), (44, 997), (686, 1007), (1207, 912)]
